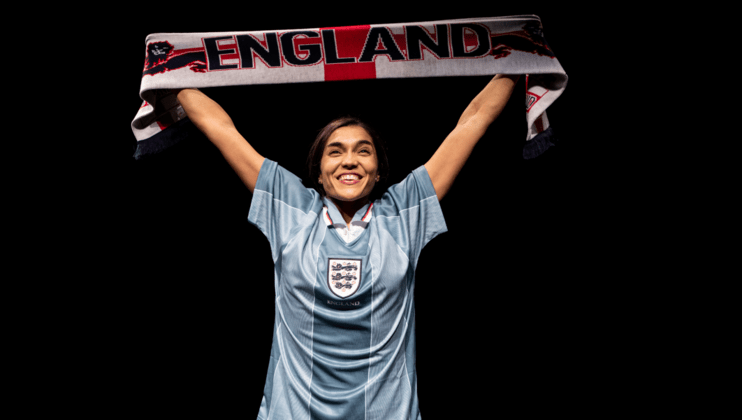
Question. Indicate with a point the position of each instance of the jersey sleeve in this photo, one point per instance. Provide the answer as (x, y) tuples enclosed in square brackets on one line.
[(412, 212), (281, 204)]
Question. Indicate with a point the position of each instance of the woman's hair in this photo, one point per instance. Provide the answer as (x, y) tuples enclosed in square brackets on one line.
[(315, 153)]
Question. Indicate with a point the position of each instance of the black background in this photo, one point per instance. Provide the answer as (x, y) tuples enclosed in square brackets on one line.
[(509, 314)]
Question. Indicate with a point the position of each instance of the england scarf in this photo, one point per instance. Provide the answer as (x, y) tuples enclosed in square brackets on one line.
[(468, 47)]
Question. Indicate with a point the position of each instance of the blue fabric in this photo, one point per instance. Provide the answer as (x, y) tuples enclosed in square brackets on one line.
[(176, 133), (539, 144), (333, 357)]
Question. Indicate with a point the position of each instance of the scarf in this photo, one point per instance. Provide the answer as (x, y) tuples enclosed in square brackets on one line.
[(463, 47)]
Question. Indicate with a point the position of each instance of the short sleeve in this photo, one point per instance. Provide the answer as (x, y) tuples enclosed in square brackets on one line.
[(412, 213), (281, 204)]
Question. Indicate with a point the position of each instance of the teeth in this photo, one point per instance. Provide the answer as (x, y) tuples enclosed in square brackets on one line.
[(349, 177)]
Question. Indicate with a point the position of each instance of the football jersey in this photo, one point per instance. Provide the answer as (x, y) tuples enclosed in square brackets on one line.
[(343, 338)]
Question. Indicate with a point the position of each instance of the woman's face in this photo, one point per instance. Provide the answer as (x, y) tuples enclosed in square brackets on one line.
[(349, 166)]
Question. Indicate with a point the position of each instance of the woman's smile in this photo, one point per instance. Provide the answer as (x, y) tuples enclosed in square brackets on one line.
[(349, 179), (349, 165)]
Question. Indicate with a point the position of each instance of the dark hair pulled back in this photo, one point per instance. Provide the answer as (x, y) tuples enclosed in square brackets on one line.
[(318, 147)]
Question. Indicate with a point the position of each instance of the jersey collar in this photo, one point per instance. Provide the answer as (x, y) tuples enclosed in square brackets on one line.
[(332, 216)]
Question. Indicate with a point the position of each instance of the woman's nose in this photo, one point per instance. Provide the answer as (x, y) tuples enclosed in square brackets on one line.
[(350, 159)]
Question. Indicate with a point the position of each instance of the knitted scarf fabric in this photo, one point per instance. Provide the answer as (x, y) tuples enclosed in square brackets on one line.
[(462, 47)]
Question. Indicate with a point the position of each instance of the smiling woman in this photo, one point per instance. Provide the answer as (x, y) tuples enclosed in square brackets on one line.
[(346, 162), (349, 169), (344, 333)]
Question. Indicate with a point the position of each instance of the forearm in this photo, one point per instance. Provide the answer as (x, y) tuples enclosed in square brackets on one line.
[(204, 112), (209, 117), (489, 103), (445, 165)]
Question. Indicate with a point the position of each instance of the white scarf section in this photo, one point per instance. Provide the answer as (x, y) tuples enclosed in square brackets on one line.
[(463, 47)]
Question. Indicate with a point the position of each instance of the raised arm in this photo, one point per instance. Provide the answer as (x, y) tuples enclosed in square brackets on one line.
[(218, 127), (450, 157)]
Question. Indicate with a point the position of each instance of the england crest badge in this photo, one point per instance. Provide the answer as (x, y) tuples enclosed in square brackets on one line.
[(343, 276)]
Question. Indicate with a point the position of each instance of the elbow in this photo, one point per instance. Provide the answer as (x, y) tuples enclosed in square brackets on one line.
[(212, 124), (478, 121)]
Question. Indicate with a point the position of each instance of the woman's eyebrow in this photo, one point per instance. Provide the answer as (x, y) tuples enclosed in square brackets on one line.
[(342, 145)]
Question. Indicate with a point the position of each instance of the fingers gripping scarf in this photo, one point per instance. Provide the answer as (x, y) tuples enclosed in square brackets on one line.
[(469, 47)]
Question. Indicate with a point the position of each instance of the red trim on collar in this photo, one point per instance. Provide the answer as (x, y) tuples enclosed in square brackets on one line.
[(368, 213), (366, 217), (327, 214)]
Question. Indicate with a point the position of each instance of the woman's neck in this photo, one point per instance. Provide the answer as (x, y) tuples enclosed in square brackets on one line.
[(348, 209)]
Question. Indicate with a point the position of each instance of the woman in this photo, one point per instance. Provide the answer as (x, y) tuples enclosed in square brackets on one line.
[(343, 340)]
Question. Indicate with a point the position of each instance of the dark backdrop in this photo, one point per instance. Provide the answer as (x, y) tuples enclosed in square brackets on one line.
[(183, 316)]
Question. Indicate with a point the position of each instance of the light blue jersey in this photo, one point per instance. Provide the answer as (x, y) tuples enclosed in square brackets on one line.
[(343, 339)]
